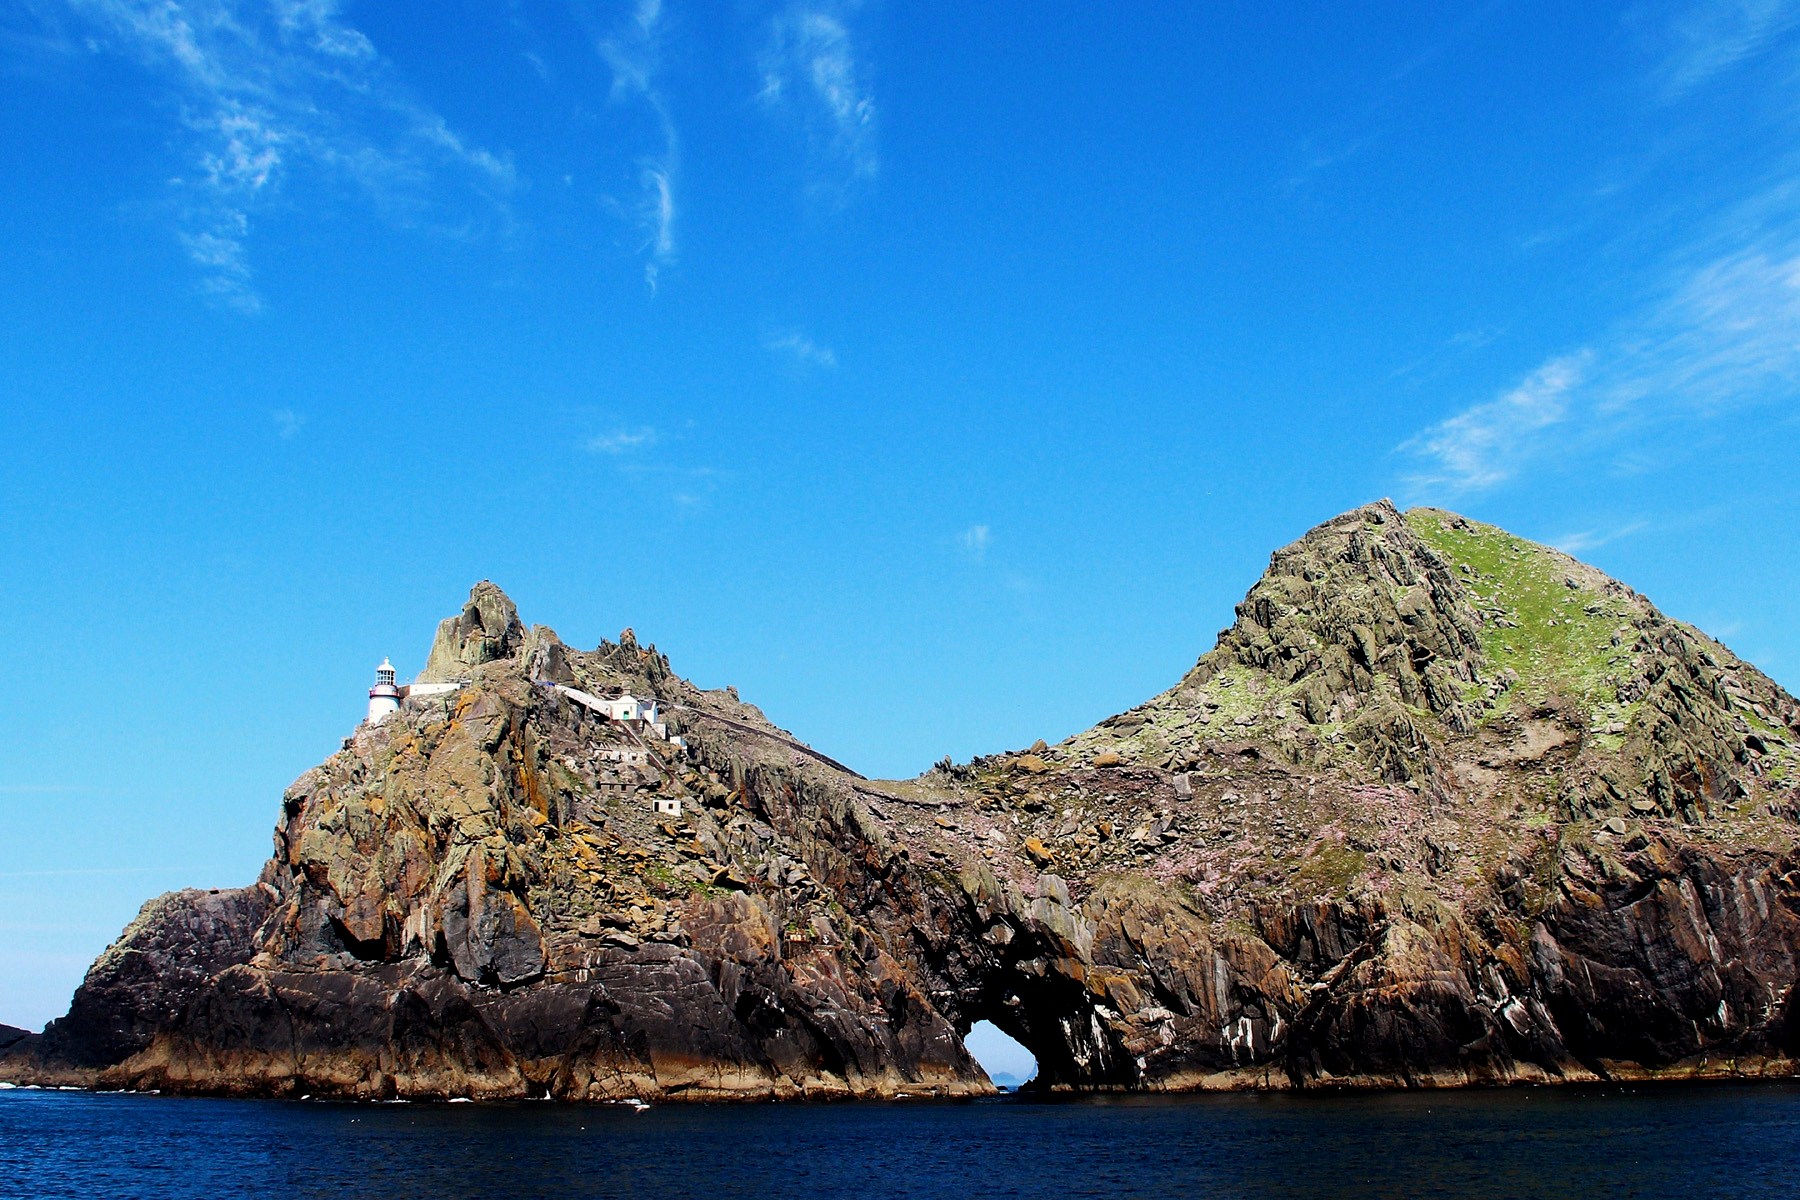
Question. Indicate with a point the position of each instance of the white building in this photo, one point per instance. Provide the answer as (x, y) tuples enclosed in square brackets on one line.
[(631, 756), (640, 714), (386, 695)]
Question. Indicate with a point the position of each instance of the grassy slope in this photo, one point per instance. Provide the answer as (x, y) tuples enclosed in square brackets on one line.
[(1574, 641), (1547, 618)]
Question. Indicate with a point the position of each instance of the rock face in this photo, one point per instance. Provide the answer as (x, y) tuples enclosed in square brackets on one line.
[(486, 630), (174, 948), (1440, 807)]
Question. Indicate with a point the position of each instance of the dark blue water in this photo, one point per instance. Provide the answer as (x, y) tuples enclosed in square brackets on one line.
[(1695, 1142)]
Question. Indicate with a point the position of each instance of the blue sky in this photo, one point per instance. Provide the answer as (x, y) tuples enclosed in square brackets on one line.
[(938, 375)]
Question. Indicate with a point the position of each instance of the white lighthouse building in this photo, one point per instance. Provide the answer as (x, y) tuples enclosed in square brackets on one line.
[(384, 697)]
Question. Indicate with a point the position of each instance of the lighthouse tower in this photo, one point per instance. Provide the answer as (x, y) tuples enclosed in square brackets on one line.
[(384, 697)]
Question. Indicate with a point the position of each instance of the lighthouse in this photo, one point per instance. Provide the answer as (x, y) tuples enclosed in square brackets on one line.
[(384, 697)]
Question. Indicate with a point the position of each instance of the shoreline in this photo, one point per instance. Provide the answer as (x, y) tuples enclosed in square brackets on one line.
[(1745, 1072)]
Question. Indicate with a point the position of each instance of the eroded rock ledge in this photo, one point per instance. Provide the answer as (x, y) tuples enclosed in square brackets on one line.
[(1442, 807)]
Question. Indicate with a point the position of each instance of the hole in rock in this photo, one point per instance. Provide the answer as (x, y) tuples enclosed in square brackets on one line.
[(1007, 1063)]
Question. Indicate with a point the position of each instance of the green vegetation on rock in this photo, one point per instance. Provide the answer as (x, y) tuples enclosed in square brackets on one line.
[(1559, 626), (1330, 870)]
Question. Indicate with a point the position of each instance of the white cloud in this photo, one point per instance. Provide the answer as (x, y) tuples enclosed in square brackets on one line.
[(810, 66), (1708, 37), (1593, 539), (219, 252), (659, 209), (634, 54), (1721, 629), (1723, 337), (975, 541), (623, 441), (689, 489), (802, 349), (245, 153), (1484, 445), (1727, 333), (632, 51), (1474, 339), (287, 423), (1716, 333), (267, 89)]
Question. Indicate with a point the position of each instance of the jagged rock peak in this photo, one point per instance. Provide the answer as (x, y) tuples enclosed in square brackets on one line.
[(487, 629), (1405, 643), (630, 659), (546, 658), (1359, 601)]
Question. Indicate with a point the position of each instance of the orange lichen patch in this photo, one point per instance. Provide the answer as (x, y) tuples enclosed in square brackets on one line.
[(464, 702), (1117, 990), (533, 788)]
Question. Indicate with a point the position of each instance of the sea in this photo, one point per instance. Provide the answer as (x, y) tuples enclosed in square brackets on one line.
[(1697, 1142)]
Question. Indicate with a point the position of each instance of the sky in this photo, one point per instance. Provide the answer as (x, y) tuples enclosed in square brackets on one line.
[(939, 375)]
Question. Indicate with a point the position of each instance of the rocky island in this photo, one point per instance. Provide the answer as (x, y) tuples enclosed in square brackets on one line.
[(1441, 807)]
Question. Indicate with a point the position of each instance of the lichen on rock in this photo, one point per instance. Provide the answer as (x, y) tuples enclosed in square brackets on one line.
[(487, 630), (1440, 807)]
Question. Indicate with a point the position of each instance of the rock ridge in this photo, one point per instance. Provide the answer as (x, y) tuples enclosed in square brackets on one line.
[(1441, 807)]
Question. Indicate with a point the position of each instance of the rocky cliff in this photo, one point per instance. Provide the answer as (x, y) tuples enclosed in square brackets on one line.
[(1441, 807)]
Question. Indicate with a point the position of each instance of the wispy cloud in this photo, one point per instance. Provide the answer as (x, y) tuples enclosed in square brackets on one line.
[(801, 349), (1708, 37), (1716, 332), (688, 489), (1723, 337), (287, 423), (1474, 339), (1365, 126), (634, 53), (1593, 539), (1720, 628), (654, 461), (1727, 334), (265, 90), (810, 68), (623, 441), (975, 541), (1314, 157), (1484, 445)]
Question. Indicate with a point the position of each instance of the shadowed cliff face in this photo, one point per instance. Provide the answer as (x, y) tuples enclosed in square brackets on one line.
[(1441, 807)]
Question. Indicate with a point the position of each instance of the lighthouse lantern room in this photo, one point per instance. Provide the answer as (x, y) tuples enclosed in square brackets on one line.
[(384, 697)]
